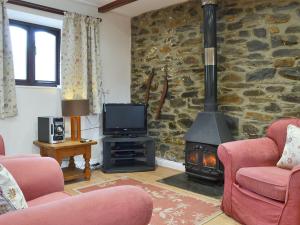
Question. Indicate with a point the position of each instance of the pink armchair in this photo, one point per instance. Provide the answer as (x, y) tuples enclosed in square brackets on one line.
[(42, 183), (256, 192)]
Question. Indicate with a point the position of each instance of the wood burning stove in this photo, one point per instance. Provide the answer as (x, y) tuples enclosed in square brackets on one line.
[(202, 161), (210, 127)]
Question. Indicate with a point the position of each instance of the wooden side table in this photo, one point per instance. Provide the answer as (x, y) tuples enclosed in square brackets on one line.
[(70, 149)]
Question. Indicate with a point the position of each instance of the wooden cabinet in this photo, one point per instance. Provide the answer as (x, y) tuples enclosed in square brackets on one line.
[(69, 149)]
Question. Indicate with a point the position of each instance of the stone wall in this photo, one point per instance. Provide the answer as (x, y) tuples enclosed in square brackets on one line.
[(258, 64)]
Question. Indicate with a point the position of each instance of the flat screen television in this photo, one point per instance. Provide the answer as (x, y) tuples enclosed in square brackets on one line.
[(124, 119)]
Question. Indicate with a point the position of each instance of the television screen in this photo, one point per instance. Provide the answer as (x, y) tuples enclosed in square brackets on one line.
[(124, 119)]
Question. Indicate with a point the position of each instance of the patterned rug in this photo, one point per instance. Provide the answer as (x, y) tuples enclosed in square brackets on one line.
[(170, 208)]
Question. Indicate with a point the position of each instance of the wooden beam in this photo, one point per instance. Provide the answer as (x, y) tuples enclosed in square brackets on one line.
[(36, 6), (113, 5)]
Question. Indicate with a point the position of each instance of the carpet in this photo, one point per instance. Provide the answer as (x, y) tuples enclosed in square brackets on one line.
[(196, 185), (170, 207)]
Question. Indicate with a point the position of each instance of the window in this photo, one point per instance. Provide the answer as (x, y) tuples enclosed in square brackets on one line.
[(36, 53)]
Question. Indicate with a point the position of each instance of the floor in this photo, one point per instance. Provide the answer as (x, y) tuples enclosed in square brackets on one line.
[(150, 177)]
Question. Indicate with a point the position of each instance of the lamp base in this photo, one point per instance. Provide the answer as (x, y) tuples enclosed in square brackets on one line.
[(75, 128)]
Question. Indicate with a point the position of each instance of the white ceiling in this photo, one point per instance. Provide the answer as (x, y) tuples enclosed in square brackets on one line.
[(134, 8)]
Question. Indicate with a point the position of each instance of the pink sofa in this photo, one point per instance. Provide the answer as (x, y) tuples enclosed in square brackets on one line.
[(2, 147), (3, 155), (42, 183), (256, 192)]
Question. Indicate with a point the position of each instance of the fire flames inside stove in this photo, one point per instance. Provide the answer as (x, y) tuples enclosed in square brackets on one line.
[(193, 158), (202, 161), (209, 159)]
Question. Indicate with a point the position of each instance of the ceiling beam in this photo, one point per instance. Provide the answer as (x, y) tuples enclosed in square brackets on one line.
[(113, 5), (36, 6)]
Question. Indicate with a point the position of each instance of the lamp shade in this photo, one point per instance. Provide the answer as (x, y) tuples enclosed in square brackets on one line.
[(75, 107)]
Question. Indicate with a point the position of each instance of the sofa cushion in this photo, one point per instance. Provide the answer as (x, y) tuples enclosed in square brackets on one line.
[(5, 205), (277, 131), (270, 182), (48, 198), (291, 153), (11, 190)]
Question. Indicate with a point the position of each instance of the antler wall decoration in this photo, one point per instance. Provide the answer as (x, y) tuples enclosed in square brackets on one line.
[(148, 86), (164, 91), (163, 94)]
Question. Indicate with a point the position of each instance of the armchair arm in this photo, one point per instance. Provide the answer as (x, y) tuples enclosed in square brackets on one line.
[(36, 176), (124, 205), (290, 213), (248, 153), (244, 153)]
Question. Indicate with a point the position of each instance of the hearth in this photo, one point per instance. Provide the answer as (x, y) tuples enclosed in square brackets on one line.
[(210, 127)]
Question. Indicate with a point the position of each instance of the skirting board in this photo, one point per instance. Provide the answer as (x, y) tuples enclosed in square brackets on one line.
[(159, 161), (170, 164)]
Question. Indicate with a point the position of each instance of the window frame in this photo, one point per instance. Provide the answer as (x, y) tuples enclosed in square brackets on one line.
[(30, 70)]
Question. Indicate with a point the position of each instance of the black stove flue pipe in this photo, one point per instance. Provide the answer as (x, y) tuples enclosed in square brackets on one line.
[(210, 55)]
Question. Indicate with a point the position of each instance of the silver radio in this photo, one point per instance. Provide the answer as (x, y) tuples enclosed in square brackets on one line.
[(51, 129)]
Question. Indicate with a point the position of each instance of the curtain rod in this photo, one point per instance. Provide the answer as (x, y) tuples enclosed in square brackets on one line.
[(38, 7)]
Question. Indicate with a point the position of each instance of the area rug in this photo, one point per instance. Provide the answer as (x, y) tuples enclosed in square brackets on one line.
[(170, 208), (196, 185)]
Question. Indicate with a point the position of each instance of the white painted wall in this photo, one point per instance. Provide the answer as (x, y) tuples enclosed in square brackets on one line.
[(19, 132)]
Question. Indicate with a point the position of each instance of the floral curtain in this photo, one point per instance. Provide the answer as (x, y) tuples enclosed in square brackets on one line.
[(80, 60), (8, 102)]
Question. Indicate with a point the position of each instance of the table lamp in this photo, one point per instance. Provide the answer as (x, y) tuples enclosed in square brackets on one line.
[(74, 109)]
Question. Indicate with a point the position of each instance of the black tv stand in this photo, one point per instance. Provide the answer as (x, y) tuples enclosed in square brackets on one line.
[(125, 136), (128, 154)]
